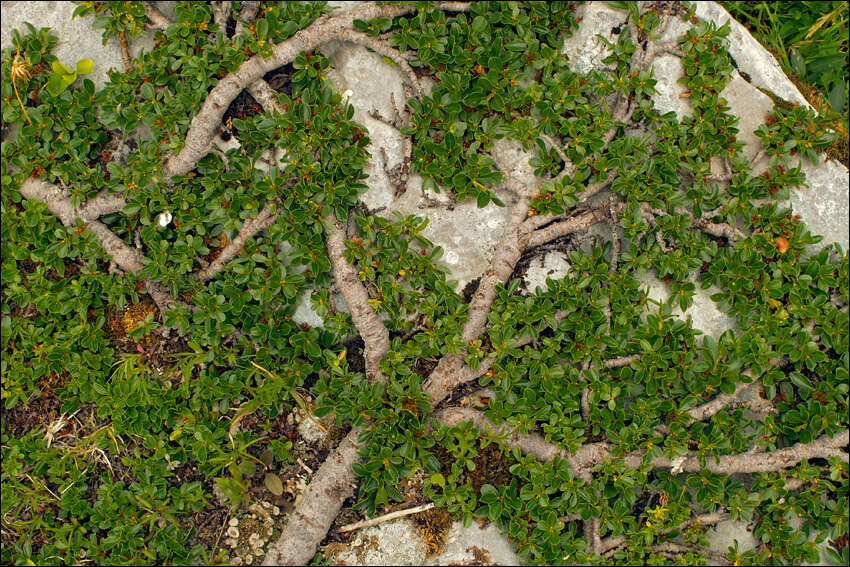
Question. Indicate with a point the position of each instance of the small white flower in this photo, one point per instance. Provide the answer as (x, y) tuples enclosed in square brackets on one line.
[(164, 218), (347, 95)]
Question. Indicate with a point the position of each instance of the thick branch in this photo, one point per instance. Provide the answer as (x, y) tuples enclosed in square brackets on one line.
[(127, 258), (573, 224), (369, 325), (205, 123), (712, 407), (320, 503), (246, 15), (590, 455), (157, 19), (220, 11), (101, 204), (445, 376), (532, 444)]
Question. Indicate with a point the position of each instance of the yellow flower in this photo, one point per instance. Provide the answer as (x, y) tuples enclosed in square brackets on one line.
[(20, 70)]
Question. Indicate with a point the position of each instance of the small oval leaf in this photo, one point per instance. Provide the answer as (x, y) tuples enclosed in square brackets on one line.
[(267, 457), (274, 484), (61, 69), (84, 66), (248, 468)]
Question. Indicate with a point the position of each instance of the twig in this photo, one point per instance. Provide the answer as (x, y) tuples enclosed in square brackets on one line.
[(573, 224), (569, 168), (385, 518), (615, 238), (221, 530), (303, 466), (220, 12), (157, 19), (125, 51), (250, 227), (246, 15)]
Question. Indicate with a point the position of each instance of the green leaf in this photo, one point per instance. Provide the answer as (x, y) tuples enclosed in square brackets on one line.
[(85, 66), (800, 381), (798, 64), (54, 84), (262, 29), (267, 457), (61, 69), (838, 97), (479, 24), (147, 91), (247, 468)]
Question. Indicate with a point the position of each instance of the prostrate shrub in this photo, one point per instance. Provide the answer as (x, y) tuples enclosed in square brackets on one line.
[(150, 279)]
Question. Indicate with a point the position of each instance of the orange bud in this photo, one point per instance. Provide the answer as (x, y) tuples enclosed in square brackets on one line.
[(782, 244)]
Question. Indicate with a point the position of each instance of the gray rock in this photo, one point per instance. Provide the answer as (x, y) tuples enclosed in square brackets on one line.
[(668, 98), (553, 265), (725, 533), (475, 544), (77, 39), (824, 205), (584, 49), (750, 56), (703, 313), (392, 543)]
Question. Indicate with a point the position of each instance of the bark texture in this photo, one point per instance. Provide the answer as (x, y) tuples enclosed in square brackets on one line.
[(320, 503), (590, 455), (369, 325)]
